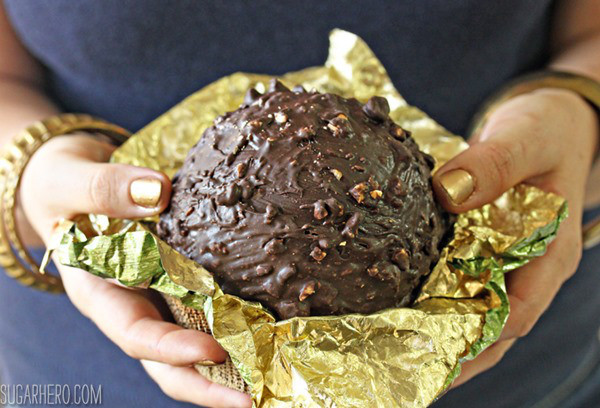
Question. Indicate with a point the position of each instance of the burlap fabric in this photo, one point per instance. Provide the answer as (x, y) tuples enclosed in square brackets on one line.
[(225, 374)]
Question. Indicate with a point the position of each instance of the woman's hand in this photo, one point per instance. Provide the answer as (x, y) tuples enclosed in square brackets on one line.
[(69, 176), (548, 139)]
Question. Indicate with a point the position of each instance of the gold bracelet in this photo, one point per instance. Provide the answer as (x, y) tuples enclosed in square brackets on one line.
[(14, 256), (586, 87)]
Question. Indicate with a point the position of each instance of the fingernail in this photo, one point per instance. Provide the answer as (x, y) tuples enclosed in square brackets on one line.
[(207, 363), (458, 184), (146, 192)]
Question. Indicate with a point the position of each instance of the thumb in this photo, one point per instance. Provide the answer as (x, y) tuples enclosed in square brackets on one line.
[(75, 179), (506, 153), (116, 190)]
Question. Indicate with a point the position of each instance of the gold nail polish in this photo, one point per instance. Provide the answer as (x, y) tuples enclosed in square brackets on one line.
[(458, 184), (207, 363), (146, 192)]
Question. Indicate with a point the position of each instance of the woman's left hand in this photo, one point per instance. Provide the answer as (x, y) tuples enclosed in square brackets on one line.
[(546, 138)]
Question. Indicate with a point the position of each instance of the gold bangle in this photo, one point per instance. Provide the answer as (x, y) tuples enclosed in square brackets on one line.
[(586, 87), (14, 256)]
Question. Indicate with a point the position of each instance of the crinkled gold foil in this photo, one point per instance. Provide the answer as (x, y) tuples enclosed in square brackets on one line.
[(402, 357)]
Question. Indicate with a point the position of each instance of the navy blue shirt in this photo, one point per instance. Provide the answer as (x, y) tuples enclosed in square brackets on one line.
[(129, 61)]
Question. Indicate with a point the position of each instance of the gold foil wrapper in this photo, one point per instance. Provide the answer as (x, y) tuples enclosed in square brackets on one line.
[(403, 357)]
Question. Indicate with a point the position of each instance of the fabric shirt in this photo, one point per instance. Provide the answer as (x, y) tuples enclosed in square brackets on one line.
[(128, 61)]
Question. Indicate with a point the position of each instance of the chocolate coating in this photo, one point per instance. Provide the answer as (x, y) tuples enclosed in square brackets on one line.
[(310, 203)]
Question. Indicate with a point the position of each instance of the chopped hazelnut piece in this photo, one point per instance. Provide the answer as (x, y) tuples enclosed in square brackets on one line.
[(399, 133), (281, 118), (320, 211), (337, 174), (358, 192), (401, 259), (333, 128), (255, 124), (308, 290), (241, 169), (376, 194), (318, 254)]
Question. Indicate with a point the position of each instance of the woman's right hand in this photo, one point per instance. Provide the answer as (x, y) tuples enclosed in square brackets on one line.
[(68, 176)]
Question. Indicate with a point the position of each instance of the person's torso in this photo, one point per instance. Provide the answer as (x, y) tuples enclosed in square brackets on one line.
[(129, 61)]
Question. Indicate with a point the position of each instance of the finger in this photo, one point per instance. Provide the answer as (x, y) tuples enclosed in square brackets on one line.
[(116, 190), (484, 361), (510, 150), (78, 183), (132, 322), (532, 287), (185, 384)]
